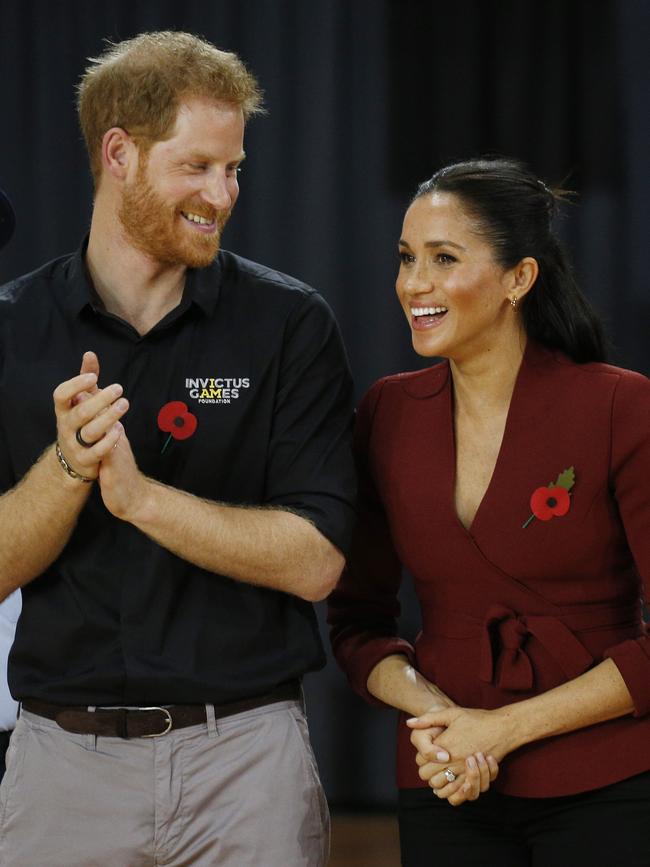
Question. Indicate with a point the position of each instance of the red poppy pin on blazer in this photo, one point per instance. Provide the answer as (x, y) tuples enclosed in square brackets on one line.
[(554, 500)]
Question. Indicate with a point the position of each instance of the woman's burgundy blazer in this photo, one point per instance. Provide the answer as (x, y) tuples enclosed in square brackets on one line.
[(507, 611)]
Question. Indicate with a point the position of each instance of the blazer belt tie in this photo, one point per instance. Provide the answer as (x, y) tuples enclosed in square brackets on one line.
[(504, 637)]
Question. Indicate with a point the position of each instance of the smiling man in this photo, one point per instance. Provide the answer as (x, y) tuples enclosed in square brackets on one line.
[(169, 544)]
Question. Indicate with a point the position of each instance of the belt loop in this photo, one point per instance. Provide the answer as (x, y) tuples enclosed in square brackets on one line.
[(211, 720), (91, 740)]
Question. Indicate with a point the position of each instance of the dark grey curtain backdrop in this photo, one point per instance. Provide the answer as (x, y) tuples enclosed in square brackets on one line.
[(365, 98)]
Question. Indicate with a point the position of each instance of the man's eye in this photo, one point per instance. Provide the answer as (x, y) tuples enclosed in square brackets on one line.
[(198, 167), (233, 171)]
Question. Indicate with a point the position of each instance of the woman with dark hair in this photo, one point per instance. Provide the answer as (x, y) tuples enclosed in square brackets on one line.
[(513, 481)]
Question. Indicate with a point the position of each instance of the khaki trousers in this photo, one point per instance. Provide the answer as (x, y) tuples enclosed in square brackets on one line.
[(239, 792)]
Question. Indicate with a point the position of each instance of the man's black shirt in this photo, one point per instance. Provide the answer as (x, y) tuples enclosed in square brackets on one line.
[(257, 359)]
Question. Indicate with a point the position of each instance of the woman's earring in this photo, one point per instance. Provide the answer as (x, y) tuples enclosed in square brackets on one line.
[(513, 302)]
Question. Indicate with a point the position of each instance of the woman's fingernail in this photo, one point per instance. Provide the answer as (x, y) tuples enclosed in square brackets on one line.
[(442, 756), (466, 787), (471, 763)]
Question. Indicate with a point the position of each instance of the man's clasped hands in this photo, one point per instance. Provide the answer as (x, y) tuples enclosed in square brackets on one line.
[(92, 438)]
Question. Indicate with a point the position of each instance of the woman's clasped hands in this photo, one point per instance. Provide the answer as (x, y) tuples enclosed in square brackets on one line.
[(459, 750)]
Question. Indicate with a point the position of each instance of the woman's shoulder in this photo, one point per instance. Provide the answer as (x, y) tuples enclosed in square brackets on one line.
[(598, 369), (412, 383), (623, 387), (384, 402), (596, 376)]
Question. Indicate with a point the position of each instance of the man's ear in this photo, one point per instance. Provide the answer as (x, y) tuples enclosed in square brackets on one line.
[(118, 152)]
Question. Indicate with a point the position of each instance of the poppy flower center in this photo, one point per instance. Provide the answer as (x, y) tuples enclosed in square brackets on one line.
[(179, 421), (551, 502)]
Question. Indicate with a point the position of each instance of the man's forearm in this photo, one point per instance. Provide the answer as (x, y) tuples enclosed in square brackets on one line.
[(37, 517), (267, 547)]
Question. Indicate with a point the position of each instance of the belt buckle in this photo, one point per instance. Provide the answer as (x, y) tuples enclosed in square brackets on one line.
[(168, 721)]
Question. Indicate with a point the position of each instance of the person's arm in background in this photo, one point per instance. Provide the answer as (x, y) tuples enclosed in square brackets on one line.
[(9, 613)]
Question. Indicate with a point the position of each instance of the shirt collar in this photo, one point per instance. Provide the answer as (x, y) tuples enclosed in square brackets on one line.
[(80, 292), (202, 285)]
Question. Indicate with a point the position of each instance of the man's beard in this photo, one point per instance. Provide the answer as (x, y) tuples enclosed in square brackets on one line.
[(152, 226)]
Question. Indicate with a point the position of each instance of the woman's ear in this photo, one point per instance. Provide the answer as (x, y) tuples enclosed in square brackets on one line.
[(522, 279)]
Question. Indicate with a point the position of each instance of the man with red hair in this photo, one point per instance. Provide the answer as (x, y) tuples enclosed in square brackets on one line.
[(175, 516)]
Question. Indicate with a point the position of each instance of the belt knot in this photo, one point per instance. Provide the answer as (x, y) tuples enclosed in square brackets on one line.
[(505, 661)]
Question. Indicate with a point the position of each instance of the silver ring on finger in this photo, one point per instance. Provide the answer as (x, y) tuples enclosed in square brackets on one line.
[(82, 441), (449, 775)]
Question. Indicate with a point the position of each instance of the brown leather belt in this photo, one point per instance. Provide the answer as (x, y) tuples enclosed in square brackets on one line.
[(149, 722)]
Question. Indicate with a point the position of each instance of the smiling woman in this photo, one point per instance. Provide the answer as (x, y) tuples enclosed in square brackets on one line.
[(533, 652), (448, 268)]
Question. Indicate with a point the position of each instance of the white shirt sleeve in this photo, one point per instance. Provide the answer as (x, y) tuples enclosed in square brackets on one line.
[(9, 614)]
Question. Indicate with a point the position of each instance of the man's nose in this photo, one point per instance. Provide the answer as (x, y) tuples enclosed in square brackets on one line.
[(219, 190)]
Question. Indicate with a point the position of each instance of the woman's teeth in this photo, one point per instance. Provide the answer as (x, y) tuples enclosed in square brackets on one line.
[(427, 311)]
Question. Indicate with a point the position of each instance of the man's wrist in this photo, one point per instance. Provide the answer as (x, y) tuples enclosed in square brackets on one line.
[(67, 468), (143, 510)]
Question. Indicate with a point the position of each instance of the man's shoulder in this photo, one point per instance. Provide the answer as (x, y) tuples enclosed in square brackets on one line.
[(28, 288), (255, 274)]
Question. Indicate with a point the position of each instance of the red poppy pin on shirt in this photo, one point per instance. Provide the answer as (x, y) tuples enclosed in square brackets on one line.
[(175, 419), (554, 500)]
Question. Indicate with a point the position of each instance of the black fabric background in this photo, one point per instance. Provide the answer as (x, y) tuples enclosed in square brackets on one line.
[(365, 98)]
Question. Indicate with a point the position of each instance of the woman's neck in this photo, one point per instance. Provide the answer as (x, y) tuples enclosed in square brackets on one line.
[(483, 383)]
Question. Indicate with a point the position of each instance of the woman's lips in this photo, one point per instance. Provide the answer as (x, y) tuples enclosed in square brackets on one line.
[(427, 317)]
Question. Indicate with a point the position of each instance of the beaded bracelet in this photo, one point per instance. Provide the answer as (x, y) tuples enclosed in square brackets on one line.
[(66, 466)]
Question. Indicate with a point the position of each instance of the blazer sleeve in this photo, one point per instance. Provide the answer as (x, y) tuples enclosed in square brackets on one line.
[(630, 479), (363, 610)]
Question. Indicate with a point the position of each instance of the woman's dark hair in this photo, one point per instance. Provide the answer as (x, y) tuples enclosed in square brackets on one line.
[(514, 213)]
